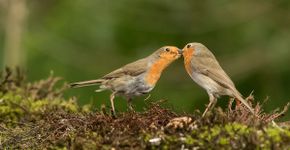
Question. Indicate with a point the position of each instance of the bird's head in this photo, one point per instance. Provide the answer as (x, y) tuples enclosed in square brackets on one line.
[(195, 49), (169, 53)]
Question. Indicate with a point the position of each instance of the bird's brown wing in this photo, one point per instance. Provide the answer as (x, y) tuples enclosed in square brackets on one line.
[(132, 69), (211, 68)]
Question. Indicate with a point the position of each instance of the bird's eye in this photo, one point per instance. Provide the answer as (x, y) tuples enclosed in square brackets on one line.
[(167, 49), (188, 46)]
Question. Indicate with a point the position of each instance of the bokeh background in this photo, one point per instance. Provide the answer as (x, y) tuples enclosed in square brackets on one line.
[(80, 40)]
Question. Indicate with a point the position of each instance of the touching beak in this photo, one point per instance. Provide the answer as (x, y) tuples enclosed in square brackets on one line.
[(180, 51)]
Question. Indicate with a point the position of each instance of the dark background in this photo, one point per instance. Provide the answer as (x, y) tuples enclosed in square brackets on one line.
[(81, 40)]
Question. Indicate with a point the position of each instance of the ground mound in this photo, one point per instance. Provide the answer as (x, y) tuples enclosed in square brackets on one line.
[(36, 116)]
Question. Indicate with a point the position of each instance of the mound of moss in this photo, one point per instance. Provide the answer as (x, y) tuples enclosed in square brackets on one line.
[(36, 116)]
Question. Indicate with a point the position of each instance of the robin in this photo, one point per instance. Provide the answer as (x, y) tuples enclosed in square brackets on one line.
[(204, 69), (136, 78)]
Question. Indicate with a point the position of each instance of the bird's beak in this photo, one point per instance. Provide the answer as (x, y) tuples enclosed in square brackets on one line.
[(180, 51)]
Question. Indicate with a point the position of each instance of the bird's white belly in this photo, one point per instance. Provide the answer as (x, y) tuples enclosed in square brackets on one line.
[(205, 82), (131, 86)]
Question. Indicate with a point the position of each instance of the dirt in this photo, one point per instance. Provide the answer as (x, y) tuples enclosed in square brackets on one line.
[(36, 116)]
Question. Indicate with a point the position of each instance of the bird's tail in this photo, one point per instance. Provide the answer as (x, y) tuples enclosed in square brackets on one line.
[(85, 83), (241, 99)]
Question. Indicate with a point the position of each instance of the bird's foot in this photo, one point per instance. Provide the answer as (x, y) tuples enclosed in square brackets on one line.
[(277, 126), (113, 114), (204, 113)]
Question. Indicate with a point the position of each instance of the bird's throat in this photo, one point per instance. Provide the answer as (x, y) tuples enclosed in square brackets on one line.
[(156, 70), (187, 55)]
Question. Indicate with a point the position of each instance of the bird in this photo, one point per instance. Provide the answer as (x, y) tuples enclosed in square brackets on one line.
[(202, 66), (136, 78)]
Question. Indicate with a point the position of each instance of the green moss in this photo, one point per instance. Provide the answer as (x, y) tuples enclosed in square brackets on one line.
[(204, 135), (224, 141), (189, 140), (229, 130), (36, 106), (60, 148), (287, 132), (274, 134), (215, 131)]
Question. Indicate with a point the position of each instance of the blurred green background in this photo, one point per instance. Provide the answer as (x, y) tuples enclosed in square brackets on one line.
[(81, 40)]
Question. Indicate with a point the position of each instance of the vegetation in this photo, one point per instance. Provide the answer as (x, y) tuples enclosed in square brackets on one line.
[(36, 116)]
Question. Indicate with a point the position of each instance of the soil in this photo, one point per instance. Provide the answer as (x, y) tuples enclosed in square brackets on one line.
[(36, 116)]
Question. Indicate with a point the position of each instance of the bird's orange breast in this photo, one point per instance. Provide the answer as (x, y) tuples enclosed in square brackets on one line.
[(155, 71), (187, 60)]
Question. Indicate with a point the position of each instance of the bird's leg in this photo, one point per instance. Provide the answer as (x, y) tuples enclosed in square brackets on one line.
[(112, 97), (230, 105), (212, 102), (129, 103), (147, 97)]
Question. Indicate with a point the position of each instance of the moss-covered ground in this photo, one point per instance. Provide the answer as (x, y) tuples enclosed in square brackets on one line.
[(36, 116)]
